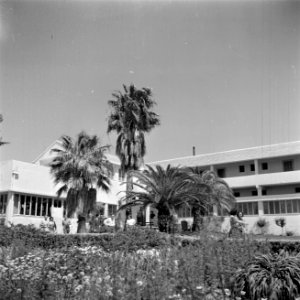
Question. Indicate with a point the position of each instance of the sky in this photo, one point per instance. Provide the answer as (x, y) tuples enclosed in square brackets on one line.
[(224, 74)]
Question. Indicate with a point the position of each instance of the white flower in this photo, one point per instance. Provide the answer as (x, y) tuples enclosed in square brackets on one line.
[(139, 283), (199, 287), (227, 292)]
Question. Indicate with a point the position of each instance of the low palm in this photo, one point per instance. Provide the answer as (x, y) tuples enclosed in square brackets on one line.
[(164, 189), (274, 277), (220, 194), (81, 166)]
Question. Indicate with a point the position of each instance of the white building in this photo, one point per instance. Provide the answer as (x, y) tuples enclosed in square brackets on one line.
[(265, 181), (27, 191)]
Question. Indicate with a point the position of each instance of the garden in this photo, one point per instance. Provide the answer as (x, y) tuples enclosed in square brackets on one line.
[(144, 264)]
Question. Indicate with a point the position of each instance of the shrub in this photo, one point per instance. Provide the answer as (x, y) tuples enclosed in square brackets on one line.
[(261, 224), (290, 233), (281, 222), (269, 276)]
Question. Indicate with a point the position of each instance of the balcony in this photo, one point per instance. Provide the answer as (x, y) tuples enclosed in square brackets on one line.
[(264, 179)]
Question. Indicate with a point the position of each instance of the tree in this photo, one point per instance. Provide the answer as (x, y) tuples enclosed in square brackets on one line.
[(164, 189), (81, 166), (220, 194), (131, 117), (1, 142)]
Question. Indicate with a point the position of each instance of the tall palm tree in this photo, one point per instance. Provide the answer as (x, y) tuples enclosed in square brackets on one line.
[(164, 189), (220, 194), (81, 166), (131, 117)]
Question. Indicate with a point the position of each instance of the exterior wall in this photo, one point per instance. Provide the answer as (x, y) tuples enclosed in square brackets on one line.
[(276, 164), (36, 180), (233, 169), (292, 224)]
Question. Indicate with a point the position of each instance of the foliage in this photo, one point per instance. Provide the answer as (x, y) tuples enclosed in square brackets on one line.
[(164, 189), (289, 233), (281, 222), (269, 276), (131, 116), (200, 270), (81, 166), (220, 194), (261, 223)]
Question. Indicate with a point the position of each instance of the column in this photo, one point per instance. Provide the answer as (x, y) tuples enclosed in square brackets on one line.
[(260, 202), (9, 209), (147, 214), (105, 209)]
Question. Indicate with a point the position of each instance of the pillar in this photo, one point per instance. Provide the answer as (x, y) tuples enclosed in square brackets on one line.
[(9, 209)]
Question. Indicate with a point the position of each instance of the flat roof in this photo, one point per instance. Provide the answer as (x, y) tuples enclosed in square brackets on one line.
[(261, 152)]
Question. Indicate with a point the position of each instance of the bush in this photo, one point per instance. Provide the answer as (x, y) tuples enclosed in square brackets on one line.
[(131, 240), (269, 276), (289, 233)]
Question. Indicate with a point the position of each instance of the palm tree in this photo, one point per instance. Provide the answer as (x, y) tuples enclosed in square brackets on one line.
[(131, 117), (220, 194), (269, 276), (164, 189), (81, 166)]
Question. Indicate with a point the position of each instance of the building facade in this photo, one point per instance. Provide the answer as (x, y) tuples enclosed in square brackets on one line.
[(28, 192), (265, 182)]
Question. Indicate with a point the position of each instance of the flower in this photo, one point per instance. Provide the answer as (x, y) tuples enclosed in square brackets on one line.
[(139, 283)]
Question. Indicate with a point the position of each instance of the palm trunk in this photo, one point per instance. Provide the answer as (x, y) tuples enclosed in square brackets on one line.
[(197, 219)]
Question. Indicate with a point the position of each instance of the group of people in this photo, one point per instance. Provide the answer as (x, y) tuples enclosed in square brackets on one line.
[(48, 224), (237, 224)]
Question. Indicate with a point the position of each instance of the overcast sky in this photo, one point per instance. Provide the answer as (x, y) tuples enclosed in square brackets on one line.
[(224, 74)]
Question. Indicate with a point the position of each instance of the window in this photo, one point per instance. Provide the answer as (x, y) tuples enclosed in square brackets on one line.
[(282, 207), (297, 190), (184, 211), (288, 166), (3, 203), (221, 172), (252, 167), (33, 206), (242, 169), (264, 192), (264, 166), (254, 193), (248, 208), (236, 194), (112, 209)]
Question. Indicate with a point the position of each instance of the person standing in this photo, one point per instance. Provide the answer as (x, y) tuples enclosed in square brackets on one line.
[(66, 223), (44, 224), (51, 225)]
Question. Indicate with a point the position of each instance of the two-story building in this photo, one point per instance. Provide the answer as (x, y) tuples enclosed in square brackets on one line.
[(265, 181)]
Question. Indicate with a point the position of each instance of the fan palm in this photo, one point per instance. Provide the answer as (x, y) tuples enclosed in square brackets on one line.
[(130, 118), (164, 189), (220, 194), (274, 277), (81, 166)]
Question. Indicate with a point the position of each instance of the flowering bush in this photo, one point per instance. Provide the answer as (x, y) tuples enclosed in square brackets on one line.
[(199, 270)]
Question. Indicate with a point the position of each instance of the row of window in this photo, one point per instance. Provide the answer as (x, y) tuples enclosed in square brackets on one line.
[(3, 203), (282, 207), (251, 208), (34, 206), (263, 192), (287, 165)]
